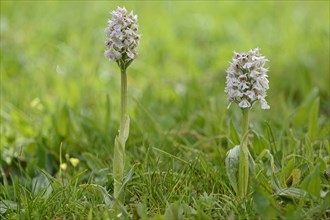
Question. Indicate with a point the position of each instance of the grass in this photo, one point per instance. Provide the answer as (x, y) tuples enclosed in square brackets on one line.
[(57, 87)]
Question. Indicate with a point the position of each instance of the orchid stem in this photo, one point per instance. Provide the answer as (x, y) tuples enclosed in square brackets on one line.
[(243, 172), (119, 150), (123, 101)]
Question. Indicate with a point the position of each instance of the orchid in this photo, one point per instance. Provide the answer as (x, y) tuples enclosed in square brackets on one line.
[(122, 43), (246, 85)]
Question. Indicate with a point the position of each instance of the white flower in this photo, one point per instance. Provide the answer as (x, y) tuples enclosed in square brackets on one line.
[(247, 79), (122, 37), (244, 104)]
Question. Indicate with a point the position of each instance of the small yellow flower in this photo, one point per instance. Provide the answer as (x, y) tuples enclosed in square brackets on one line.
[(63, 166), (74, 161), (36, 103)]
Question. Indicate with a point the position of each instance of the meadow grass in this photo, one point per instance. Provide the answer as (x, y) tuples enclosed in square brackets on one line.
[(57, 87)]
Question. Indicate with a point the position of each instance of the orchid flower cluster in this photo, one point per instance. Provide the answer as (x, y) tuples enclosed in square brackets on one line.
[(122, 37), (247, 80)]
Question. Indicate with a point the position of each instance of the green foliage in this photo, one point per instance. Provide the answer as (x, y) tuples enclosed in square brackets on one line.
[(57, 87), (232, 162)]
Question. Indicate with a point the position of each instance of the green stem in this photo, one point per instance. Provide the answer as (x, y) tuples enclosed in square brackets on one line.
[(61, 172), (243, 172), (124, 114), (119, 150)]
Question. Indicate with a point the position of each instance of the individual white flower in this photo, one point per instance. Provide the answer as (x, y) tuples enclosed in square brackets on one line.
[(123, 38), (247, 79), (244, 104)]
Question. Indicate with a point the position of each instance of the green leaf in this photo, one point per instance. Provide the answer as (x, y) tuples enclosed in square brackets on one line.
[(233, 133), (61, 121), (232, 166), (118, 165), (263, 204), (92, 161), (41, 184), (107, 119), (232, 162), (243, 173), (7, 205), (128, 177), (313, 119), (292, 193), (294, 177), (327, 146), (174, 211), (299, 118), (141, 211), (324, 132), (287, 168), (100, 190), (312, 183), (259, 143), (292, 212), (125, 134), (309, 153), (267, 153), (157, 217), (272, 142)]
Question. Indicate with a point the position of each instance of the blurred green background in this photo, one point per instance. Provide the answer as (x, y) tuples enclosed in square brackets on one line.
[(56, 84)]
